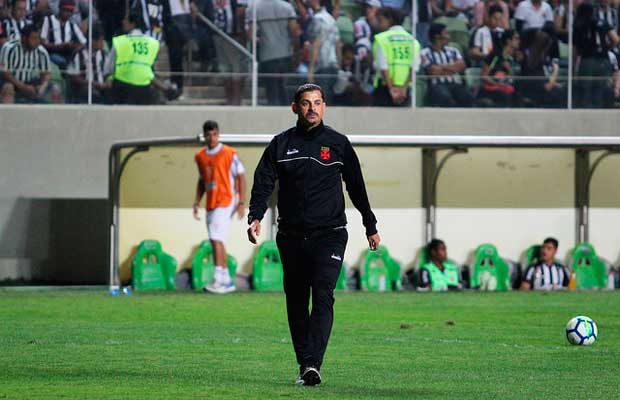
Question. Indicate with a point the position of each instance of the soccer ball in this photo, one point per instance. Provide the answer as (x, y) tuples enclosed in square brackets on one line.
[(581, 331)]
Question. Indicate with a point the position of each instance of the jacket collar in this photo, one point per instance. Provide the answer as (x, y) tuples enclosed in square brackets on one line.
[(311, 133)]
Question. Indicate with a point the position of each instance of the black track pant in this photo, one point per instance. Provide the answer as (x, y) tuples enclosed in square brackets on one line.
[(311, 266)]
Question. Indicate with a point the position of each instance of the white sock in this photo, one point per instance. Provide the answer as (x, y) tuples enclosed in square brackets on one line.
[(221, 274)]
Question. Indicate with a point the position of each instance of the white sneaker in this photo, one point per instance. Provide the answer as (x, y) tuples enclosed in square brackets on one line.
[(219, 287)]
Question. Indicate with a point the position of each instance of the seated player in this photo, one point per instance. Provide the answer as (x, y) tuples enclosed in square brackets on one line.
[(546, 274), (439, 274)]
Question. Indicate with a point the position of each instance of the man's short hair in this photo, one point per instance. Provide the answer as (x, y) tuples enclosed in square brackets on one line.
[(29, 29), (308, 87), (434, 245), (553, 241), (392, 14), (506, 36), (435, 30), (495, 9), (134, 18), (209, 126)]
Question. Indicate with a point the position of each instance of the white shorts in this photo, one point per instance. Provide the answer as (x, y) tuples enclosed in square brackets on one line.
[(218, 222)]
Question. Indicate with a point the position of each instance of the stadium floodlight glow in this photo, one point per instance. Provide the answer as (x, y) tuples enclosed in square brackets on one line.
[(116, 165)]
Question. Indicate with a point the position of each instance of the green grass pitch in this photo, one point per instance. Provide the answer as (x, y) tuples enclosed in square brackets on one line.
[(87, 345)]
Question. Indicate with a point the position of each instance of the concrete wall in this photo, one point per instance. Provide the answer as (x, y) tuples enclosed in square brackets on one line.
[(53, 187)]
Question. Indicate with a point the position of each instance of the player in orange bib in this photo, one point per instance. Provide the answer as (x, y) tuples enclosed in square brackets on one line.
[(222, 178)]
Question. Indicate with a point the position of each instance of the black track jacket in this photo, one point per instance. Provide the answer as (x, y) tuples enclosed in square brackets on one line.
[(308, 167)]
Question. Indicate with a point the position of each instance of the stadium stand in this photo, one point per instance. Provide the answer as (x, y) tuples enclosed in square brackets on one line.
[(194, 74)]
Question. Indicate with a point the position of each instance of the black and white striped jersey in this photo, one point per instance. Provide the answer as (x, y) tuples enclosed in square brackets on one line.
[(56, 33), (547, 277), (448, 55), (610, 15), (152, 12), (12, 28), (79, 64), (25, 65)]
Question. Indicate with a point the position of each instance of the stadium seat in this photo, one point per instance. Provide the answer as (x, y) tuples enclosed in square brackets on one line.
[(345, 28), (203, 265), (489, 271), (267, 273), (152, 268), (563, 50), (420, 91), (590, 270), (457, 28), (472, 77), (56, 77), (380, 272)]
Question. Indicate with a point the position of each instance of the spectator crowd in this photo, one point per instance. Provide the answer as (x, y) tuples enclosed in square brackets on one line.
[(485, 53)]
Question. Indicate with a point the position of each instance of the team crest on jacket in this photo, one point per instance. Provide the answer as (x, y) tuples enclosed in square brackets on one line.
[(325, 155)]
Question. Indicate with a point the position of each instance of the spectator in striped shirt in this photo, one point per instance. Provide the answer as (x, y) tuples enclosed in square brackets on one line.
[(546, 274), (486, 38), (443, 65), (152, 12), (365, 27), (607, 13), (77, 72), (17, 20), (497, 74), (61, 36), (25, 70)]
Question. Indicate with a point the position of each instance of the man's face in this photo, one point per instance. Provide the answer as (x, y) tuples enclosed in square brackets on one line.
[(371, 16), (98, 44), (19, 10), (443, 38), (127, 26), (33, 40), (495, 20), (212, 138), (547, 253), (310, 108), (440, 253), (516, 41), (384, 23), (65, 14)]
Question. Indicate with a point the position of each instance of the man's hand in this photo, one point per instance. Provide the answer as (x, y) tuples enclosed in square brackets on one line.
[(254, 231), (30, 91), (396, 95), (373, 241), (196, 215)]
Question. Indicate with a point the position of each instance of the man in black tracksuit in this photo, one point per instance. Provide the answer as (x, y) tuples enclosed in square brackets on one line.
[(309, 161)]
